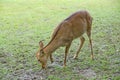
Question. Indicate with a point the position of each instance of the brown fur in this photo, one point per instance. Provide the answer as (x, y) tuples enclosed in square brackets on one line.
[(68, 30)]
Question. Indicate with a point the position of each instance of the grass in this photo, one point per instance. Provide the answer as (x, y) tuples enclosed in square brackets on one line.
[(24, 23)]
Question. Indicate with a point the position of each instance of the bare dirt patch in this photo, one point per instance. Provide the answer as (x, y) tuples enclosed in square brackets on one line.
[(30, 74), (88, 73)]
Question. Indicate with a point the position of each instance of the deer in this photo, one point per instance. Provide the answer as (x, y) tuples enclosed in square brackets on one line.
[(69, 29)]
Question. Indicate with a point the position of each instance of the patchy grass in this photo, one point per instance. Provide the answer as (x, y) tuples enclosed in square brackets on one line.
[(24, 23)]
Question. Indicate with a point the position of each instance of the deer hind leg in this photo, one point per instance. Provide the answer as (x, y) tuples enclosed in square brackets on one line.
[(66, 52), (82, 39), (90, 40), (51, 59)]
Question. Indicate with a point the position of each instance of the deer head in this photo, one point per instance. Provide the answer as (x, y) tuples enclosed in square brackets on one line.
[(41, 56)]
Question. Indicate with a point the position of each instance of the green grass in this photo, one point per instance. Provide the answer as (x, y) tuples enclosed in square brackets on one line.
[(24, 23)]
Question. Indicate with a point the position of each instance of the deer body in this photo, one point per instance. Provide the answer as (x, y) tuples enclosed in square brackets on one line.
[(71, 28)]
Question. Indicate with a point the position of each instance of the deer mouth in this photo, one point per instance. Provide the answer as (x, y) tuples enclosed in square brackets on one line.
[(43, 66)]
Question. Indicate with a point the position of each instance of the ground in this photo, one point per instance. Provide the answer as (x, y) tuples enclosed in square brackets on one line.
[(24, 23)]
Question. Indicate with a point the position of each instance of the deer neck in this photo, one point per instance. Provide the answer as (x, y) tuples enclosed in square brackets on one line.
[(51, 47)]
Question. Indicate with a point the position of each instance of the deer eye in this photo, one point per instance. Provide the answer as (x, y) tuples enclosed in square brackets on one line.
[(39, 60), (41, 54), (41, 51)]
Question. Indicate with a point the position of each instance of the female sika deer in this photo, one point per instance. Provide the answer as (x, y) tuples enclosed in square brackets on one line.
[(71, 28)]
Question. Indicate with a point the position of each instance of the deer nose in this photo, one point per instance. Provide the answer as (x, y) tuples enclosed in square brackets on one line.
[(43, 66)]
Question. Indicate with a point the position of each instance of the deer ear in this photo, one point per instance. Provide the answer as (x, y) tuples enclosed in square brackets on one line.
[(41, 44)]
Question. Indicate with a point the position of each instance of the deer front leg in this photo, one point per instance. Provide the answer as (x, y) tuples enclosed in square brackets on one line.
[(66, 52), (51, 59), (82, 39)]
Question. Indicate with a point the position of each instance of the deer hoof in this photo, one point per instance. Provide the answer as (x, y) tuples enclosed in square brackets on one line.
[(64, 65), (75, 57)]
